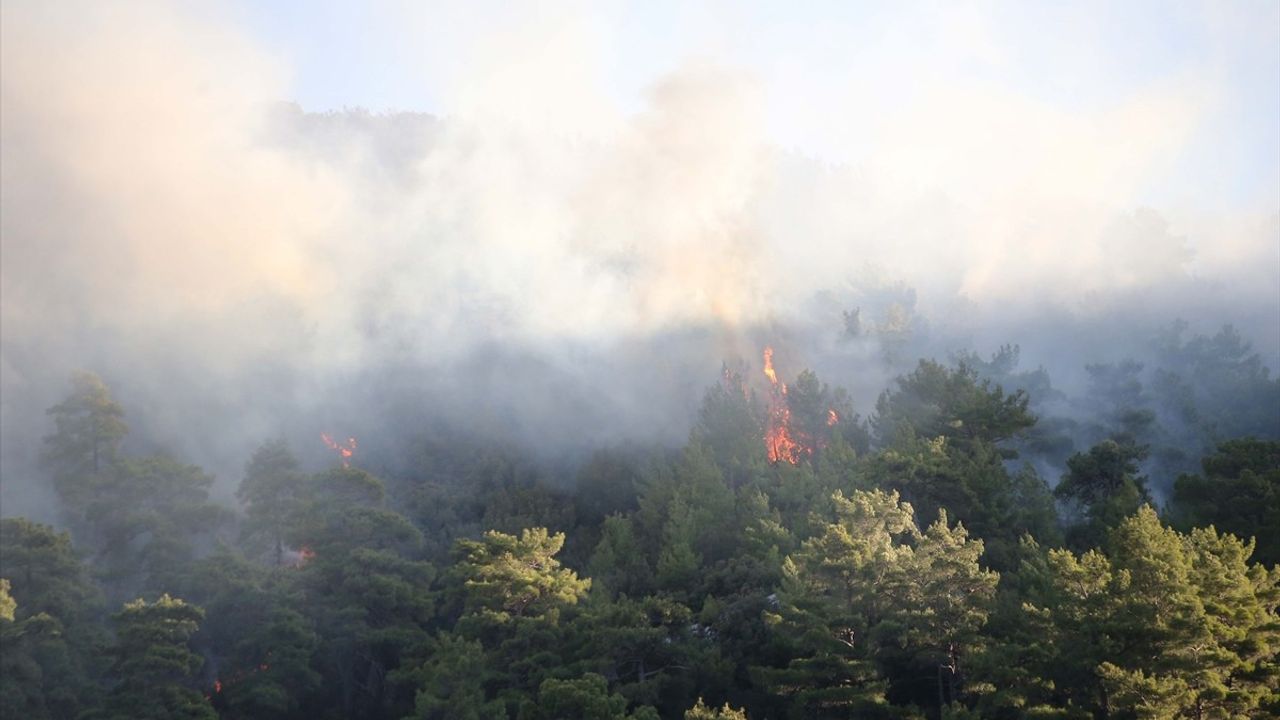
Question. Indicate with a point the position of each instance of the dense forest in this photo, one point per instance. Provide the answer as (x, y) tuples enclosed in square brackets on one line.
[(977, 545)]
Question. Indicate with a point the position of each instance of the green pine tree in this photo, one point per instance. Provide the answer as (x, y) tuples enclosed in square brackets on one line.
[(154, 664)]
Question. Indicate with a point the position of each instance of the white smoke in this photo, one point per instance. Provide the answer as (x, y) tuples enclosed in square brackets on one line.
[(168, 221)]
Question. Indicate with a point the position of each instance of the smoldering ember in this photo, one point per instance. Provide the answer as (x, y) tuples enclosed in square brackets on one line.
[(639, 360)]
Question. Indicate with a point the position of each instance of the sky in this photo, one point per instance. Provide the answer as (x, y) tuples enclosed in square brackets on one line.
[(830, 72)]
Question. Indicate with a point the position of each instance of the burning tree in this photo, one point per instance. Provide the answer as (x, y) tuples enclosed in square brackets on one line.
[(346, 450), (799, 418)]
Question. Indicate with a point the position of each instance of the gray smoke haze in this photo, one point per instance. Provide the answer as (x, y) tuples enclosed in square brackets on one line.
[(534, 263)]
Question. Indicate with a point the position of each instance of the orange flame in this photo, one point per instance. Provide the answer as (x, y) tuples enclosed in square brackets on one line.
[(778, 442), (236, 677), (784, 442), (344, 450), (768, 367)]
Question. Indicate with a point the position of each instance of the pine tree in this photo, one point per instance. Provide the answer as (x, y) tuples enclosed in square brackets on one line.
[(701, 711), (49, 661), (870, 590), (509, 576), (618, 564), (453, 683), (271, 492), (1101, 488), (948, 600), (154, 664), (586, 697), (1239, 492), (8, 606), (84, 448), (1164, 625)]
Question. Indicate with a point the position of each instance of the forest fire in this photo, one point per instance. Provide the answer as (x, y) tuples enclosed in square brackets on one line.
[(782, 439), (298, 558), (345, 450), (768, 368), (219, 685), (778, 440), (1021, 427)]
